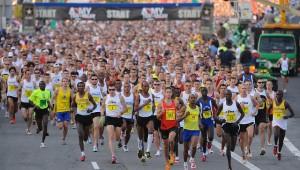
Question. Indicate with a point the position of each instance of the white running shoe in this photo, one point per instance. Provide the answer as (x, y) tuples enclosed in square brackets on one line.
[(125, 148), (6, 115), (28, 132), (210, 151), (157, 153), (269, 144), (95, 149), (43, 145)]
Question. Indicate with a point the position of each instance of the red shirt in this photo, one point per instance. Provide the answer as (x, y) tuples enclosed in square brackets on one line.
[(168, 119)]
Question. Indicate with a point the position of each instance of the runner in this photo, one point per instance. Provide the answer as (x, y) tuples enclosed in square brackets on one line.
[(158, 97), (114, 107), (82, 101), (40, 99), (12, 94), (219, 131), (62, 99), (247, 123), (144, 106), (166, 113), (279, 107), (191, 131), (207, 106), (128, 119), (270, 98), (26, 87), (283, 63), (95, 91), (233, 114)]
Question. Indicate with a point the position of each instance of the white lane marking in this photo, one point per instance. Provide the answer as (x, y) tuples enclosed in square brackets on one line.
[(291, 147), (237, 158), (95, 165)]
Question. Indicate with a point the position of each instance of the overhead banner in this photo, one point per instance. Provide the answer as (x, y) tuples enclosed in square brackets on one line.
[(127, 12)]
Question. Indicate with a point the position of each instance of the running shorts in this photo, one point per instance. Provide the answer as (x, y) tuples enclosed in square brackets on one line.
[(143, 121), (231, 128), (243, 127), (63, 116), (188, 134), (114, 121), (26, 105), (85, 120)]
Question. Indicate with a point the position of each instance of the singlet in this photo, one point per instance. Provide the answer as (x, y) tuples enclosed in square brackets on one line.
[(147, 110), (129, 101), (278, 110), (248, 109), (27, 89), (206, 108), (284, 64), (168, 119), (191, 122), (185, 97), (113, 105), (231, 113), (249, 77), (12, 86), (82, 104), (97, 96), (158, 97), (63, 100), (262, 110), (40, 98)]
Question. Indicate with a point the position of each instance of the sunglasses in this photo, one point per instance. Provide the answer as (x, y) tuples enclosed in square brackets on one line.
[(94, 79), (260, 82), (111, 89), (156, 84)]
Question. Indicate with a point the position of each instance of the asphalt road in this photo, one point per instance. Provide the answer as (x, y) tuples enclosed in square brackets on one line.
[(22, 152)]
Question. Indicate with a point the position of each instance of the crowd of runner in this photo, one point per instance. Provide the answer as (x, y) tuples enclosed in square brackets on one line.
[(159, 79)]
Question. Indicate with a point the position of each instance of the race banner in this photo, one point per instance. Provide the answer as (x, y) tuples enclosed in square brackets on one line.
[(117, 12)]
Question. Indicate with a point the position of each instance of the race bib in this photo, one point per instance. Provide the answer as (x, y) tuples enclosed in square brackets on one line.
[(112, 107), (156, 104), (147, 108), (5, 77), (43, 103), (129, 110), (12, 87), (230, 117), (96, 99), (170, 114), (246, 110), (207, 114), (278, 115), (221, 114), (28, 93), (82, 106)]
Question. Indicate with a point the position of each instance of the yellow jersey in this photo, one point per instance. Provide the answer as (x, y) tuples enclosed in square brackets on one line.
[(191, 122), (278, 110), (63, 100)]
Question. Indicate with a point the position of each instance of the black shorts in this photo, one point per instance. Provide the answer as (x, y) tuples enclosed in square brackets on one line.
[(128, 121), (143, 121), (270, 117), (26, 105), (85, 120), (39, 113), (231, 128), (15, 99), (165, 133), (243, 127), (156, 123), (96, 114), (114, 121)]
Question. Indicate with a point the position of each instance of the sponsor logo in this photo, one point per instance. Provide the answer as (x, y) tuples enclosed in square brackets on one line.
[(154, 13), (81, 13), (45, 13), (189, 13), (117, 14)]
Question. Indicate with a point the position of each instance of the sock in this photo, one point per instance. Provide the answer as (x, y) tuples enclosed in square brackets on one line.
[(185, 164), (140, 144), (149, 142), (82, 154)]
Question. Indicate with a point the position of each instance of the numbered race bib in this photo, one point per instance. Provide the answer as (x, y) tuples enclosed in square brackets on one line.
[(207, 114), (28, 93), (221, 114), (230, 117), (112, 107), (96, 99), (278, 115), (43, 103), (147, 108), (246, 110), (82, 106), (129, 110), (156, 104), (5, 77), (11, 88), (170, 114)]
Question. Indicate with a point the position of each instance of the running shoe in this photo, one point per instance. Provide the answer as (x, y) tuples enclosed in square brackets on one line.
[(209, 146), (203, 157), (42, 145), (113, 160), (82, 158), (102, 141), (192, 160), (6, 115), (193, 165), (168, 166), (172, 159), (74, 126), (95, 149), (177, 160), (89, 141), (244, 160), (125, 148), (263, 151), (185, 166), (157, 153), (269, 143), (148, 155), (140, 154), (120, 144), (64, 142), (11, 121), (275, 150), (143, 159), (279, 156), (249, 155)]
